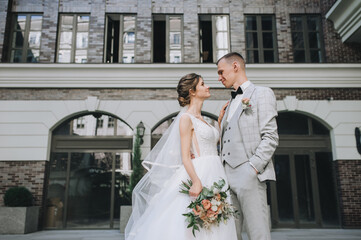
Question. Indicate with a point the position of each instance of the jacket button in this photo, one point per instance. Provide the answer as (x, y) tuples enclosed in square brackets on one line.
[(224, 154), (224, 141), (229, 154), (229, 128), (229, 140)]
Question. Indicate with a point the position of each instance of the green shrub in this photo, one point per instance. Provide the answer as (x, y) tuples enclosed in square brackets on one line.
[(18, 197)]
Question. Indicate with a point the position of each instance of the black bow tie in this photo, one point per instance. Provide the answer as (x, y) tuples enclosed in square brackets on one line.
[(235, 93)]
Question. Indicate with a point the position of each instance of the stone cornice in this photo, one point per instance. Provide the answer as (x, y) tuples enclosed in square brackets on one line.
[(167, 75), (346, 18)]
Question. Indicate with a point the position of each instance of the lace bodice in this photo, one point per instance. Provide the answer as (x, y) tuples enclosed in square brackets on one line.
[(207, 137)]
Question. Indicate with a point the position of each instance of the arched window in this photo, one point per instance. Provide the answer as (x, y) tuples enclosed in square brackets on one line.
[(88, 174), (304, 194)]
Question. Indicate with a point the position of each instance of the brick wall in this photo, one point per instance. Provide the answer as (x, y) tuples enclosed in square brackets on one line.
[(166, 94), (29, 174), (335, 50), (349, 190)]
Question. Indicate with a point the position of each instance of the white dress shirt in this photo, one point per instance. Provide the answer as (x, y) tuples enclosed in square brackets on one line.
[(236, 101)]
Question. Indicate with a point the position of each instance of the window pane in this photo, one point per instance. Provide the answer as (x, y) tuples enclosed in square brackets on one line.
[(221, 53), (34, 39), (267, 23), (36, 22), (268, 56), (296, 23), (313, 23), (175, 56), (128, 56), (175, 40), (252, 57), (66, 39), (83, 19), (33, 56), (221, 23), (251, 23), (292, 124), (82, 40), (129, 37), (297, 40), (129, 23), (252, 41), (81, 56), (314, 40), (222, 40), (284, 188), (318, 128), (267, 40), (299, 56), (174, 24), (18, 39), (67, 23), (20, 22), (82, 26), (16, 56), (315, 56), (64, 56)]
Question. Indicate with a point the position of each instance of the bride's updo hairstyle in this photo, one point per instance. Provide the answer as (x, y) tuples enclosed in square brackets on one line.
[(186, 83)]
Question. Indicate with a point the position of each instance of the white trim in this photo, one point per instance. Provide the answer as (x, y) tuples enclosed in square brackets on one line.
[(168, 75), (346, 18)]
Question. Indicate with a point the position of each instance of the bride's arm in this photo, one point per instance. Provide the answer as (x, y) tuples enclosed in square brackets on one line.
[(186, 130)]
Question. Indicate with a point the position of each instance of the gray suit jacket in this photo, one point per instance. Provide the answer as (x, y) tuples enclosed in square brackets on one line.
[(251, 134)]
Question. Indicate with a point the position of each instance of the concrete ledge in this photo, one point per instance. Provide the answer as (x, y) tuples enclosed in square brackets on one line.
[(19, 220)]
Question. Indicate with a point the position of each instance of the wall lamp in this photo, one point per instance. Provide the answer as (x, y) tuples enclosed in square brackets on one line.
[(140, 131)]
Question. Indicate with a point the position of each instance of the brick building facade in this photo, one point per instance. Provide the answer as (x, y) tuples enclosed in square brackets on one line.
[(38, 98)]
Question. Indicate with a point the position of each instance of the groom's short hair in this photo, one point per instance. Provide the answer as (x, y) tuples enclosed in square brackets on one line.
[(233, 56)]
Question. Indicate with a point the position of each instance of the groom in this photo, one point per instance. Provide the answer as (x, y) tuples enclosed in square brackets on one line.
[(249, 139)]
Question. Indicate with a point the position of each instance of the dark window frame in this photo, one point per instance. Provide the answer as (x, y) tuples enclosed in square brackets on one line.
[(13, 30), (305, 31), (259, 31)]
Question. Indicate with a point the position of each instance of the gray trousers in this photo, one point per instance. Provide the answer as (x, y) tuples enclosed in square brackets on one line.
[(251, 196)]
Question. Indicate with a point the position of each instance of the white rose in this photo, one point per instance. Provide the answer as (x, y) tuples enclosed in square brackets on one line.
[(214, 202), (216, 191), (214, 208)]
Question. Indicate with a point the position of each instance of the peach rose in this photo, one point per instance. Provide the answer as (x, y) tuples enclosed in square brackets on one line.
[(210, 213), (197, 211), (206, 204)]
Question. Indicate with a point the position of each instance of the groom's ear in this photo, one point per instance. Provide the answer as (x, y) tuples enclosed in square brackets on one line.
[(235, 66)]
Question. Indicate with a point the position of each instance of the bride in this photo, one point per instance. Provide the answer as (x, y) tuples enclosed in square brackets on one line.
[(187, 150)]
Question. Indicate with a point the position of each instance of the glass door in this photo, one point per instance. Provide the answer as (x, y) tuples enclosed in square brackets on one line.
[(86, 189), (295, 198)]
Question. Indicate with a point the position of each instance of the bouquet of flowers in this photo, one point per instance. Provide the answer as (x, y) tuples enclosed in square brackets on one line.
[(209, 208)]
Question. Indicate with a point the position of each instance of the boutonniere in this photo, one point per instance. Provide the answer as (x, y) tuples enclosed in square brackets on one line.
[(246, 103)]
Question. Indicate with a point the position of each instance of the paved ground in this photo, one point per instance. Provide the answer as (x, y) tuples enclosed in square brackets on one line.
[(279, 234)]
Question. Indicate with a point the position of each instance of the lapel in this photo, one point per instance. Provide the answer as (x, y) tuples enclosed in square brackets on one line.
[(224, 122), (247, 94)]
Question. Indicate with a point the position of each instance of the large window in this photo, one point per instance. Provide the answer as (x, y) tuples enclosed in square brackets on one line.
[(167, 39), (120, 38), (261, 39), (214, 37), (25, 38), (73, 38), (89, 171), (307, 39)]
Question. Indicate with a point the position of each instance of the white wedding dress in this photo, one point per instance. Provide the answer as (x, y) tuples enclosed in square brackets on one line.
[(163, 219)]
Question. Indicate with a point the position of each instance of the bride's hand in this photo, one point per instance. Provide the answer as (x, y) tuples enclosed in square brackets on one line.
[(195, 189), (221, 114)]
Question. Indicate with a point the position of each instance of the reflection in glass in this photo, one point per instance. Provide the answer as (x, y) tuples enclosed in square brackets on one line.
[(313, 23), (67, 23), (66, 39), (267, 23), (20, 22), (327, 189), (221, 23), (221, 34), (33, 56), (34, 39), (56, 190), (82, 26), (252, 56), (128, 56), (267, 39), (175, 39), (82, 40), (129, 37), (222, 40), (175, 24), (129, 23), (297, 39), (251, 23), (252, 41), (64, 56), (304, 188), (314, 39), (296, 23), (19, 39), (36, 22), (81, 56), (16, 56), (284, 189), (315, 56), (175, 56), (292, 124)]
